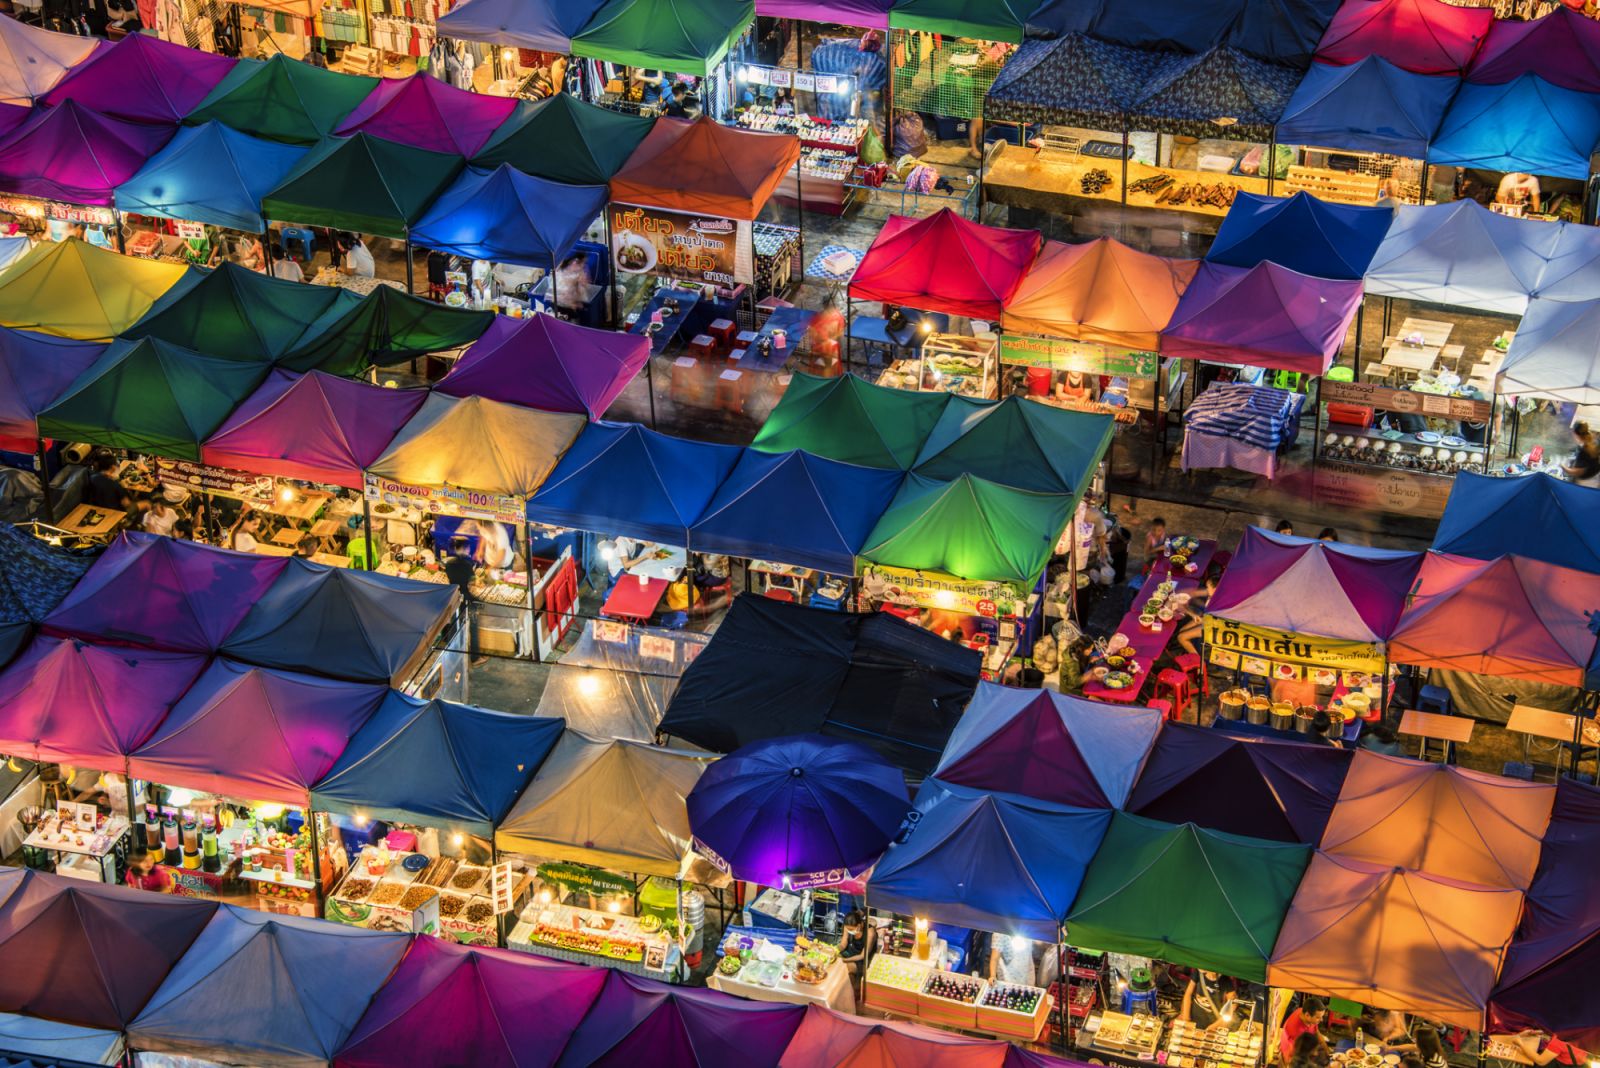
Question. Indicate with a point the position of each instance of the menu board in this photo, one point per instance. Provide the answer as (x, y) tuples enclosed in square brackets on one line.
[(1406, 401), (675, 244)]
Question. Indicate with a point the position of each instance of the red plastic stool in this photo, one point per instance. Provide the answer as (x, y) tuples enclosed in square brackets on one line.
[(1176, 684), (687, 385), (1162, 705), (730, 391), (1191, 664), (703, 347), (723, 330)]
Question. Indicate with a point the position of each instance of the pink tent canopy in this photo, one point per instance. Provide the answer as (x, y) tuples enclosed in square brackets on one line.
[(545, 363), (143, 78), (35, 369), (828, 1039), (1562, 47), (945, 263), (314, 426), (1264, 315), (424, 112), (865, 14), (1422, 36), (73, 154)]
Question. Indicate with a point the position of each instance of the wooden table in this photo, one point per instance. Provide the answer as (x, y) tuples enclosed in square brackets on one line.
[(1451, 730), (107, 520), (288, 536), (1147, 646), (1433, 331), (1560, 726), (1411, 357), (307, 505)]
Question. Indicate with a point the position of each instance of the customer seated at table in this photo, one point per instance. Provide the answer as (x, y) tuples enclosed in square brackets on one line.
[(103, 489), (1189, 634), (1309, 1051), (244, 533), (1306, 1020), (1381, 738)]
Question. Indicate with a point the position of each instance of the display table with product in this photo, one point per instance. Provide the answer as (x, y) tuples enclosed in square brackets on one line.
[(829, 152), (950, 363), (81, 851), (1144, 631), (917, 990), (636, 944), (795, 970), (392, 891)]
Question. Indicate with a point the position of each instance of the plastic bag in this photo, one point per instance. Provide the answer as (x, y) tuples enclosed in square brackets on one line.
[(910, 138), (871, 150)]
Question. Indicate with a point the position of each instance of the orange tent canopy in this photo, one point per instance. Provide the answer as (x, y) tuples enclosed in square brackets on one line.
[(1102, 291), (705, 168), (1392, 938)]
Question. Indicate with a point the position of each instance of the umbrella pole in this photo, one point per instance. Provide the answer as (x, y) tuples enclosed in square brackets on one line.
[(533, 616), (44, 484), (410, 268), (1272, 154), (127, 781), (650, 385), (116, 222), (266, 247), (316, 851), (1062, 986), (366, 527), (1122, 216)]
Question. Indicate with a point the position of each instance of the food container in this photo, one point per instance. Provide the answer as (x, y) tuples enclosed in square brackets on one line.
[(1231, 704), (1360, 703), (1303, 720), (1282, 715)]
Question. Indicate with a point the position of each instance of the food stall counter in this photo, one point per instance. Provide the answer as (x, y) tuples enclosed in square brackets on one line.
[(1145, 633), (588, 936), (769, 969)]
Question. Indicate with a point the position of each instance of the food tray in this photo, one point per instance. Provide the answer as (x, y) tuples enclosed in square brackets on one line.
[(416, 897), (466, 879), (387, 893), (356, 888), (453, 906)]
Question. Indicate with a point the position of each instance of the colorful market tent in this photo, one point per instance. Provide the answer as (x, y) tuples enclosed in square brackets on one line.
[(345, 624), (210, 174), (623, 479), (473, 443), (997, 20), (1421, 36), (73, 154), (849, 419), (562, 138), (283, 99), (1369, 106), (1562, 47), (505, 216), (1282, 32), (35, 369), (795, 508), (1303, 233), (945, 263), (1539, 517), (684, 36), (1461, 253), (73, 289), (385, 327), (34, 577), (28, 1036), (1048, 746), (150, 396), (1277, 791), (1266, 315), (1016, 442), (835, 1038), (1235, 891), (1524, 125), (543, 25), (33, 59), (142, 78), (1076, 79), (305, 984), (703, 167), (1382, 935), (862, 14), (362, 183), (292, 726), (635, 1020), (1186, 98), (1554, 353), (775, 669), (437, 763), (423, 111), (544, 362), (1101, 291)]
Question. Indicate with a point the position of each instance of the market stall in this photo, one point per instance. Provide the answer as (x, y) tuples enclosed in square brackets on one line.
[(1304, 232), (282, 99), (75, 158), (37, 59), (423, 111), (847, 418), (44, 290), (1016, 443), (1556, 46), (547, 364), (1552, 354), (1123, 666), (30, 1036), (565, 139), (615, 682), (1241, 426)]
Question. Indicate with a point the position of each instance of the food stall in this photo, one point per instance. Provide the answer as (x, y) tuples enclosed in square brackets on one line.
[(830, 147)]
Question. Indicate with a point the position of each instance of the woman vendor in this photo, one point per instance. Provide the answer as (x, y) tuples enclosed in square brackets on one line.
[(1214, 1002)]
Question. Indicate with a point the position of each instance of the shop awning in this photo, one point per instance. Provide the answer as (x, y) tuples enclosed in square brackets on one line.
[(1278, 31), (505, 216), (1101, 291), (438, 764), (827, 1037), (424, 112), (72, 289), (683, 36), (1555, 353), (35, 369), (381, 329), (637, 1019), (864, 14), (1265, 315), (945, 263), (72, 154), (305, 984), (164, 593), (1074, 79), (622, 479), (1370, 106), (33, 59), (703, 167), (1303, 233), (283, 99), (34, 577), (775, 669), (1381, 935), (150, 396), (997, 20), (847, 418), (362, 183), (1421, 36), (564, 139), (545, 25), (546, 363), (1219, 93), (1235, 891), (210, 174), (477, 444), (795, 508), (142, 78), (1278, 791), (1526, 125), (293, 728), (1016, 442), (1562, 47), (384, 624), (1461, 253), (313, 427), (1049, 746), (1539, 517)]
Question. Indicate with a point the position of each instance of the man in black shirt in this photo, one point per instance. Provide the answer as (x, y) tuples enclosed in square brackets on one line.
[(459, 568), (678, 103), (103, 490)]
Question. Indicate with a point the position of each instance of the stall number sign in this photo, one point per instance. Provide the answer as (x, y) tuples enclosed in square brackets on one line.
[(1062, 355), (447, 500), (675, 244)]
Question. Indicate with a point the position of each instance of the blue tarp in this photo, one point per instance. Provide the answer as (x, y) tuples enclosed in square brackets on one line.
[(1526, 125), (1537, 516), (1301, 233), (1075, 79), (620, 478), (1370, 106), (995, 862), (1282, 31), (546, 25), (438, 764), (505, 216), (795, 508), (1188, 97), (211, 174), (1463, 254)]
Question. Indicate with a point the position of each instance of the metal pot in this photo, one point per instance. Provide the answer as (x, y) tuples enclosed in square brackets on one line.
[(1282, 716), (1302, 723), (1256, 715)]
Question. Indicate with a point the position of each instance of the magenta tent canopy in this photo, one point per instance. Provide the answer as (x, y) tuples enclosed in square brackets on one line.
[(76, 155), (1265, 315), (867, 14), (545, 363), (424, 112), (314, 427), (1421, 36), (143, 78), (1562, 47)]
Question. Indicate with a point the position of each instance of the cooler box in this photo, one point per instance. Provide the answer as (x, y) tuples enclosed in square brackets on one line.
[(1350, 414)]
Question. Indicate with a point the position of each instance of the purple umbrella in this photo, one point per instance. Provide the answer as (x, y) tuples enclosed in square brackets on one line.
[(798, 811)]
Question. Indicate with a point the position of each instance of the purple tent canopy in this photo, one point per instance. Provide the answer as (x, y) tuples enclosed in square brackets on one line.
[(1264, 315), (424, 112), (35, 369), (542, 362), (1562, 47), (1280, 791), (143, 78), (867, 14), (76, 155)]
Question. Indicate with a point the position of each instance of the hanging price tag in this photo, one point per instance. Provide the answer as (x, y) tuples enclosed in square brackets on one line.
[(609, 630), (501, 883), (656, 647)]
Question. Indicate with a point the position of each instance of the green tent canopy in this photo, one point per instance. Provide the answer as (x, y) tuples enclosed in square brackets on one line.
[(564, 139), (362, 183), (851, 420), (151, 396), (1016, 442), (992, 20), (386, 327), (973, 529), (283, 99), (683, 36), (1188, 895)]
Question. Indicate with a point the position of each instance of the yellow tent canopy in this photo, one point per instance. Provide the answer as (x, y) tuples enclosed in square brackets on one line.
[(471, 443), (73, 289), (1101, 291)]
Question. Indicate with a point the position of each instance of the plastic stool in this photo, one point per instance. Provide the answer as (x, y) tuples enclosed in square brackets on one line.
[(703, 347), (1341, 374), (724, 331), (1435, 699), (1162, 705), (294, 235), (729, 393), (1191, 664), (1176, 683), (686, 384)]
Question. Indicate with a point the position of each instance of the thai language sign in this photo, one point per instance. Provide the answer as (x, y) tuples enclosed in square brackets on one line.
[(1061, 355), (674, 244), (446, 500), (934, 589), (1284, 647)]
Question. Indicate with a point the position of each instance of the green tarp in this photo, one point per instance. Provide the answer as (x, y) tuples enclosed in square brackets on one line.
[(849, 419), (992, 20), (1187, 895), (362, 183), (1016, 442), (565, 140), (386, 327), (149, 396), (682, 36), (283, 99)]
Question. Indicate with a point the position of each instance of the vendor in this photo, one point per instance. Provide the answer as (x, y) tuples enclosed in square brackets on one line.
[(1212, 1001), (1542, 1049), (243, 535), (1074, 388), (356, 260), (1011, 960), (103, 489), (1582, 466), (1517, 188), (857, 944), (1307, 1019)]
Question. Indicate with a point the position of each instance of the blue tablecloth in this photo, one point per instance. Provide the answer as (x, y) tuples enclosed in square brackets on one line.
[(818, 269), (909, 336), (794, 322), (1261, 416), (671, 325)]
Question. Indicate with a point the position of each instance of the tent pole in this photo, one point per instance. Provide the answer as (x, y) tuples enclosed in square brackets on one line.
[(533, 619), (1061, 985), (799, 218), (1122, 216), (316, 851), (366, 528), (1272, 155), (127, 781), (1361, 314), (44, 484), (650, 386), (611, 281), (116, 222), (266, 247)]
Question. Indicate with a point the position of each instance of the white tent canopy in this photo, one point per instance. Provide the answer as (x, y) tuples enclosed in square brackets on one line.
[(32, 59), (1555, 354), (610, 689), (1462, 254)]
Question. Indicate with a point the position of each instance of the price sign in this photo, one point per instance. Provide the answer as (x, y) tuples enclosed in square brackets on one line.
[(780, 78), (807, 82), (191, 231), (501, 883), (656, 647), (609, 630), (826, 83)]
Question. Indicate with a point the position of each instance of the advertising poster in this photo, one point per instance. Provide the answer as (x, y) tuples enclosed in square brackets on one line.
[(676, 245)]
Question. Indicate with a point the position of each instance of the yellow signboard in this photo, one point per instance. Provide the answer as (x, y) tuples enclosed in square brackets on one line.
[(935, 589), (1286, 648)]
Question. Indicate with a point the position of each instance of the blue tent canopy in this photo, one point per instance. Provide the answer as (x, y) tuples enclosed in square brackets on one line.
[(506, 216), (211, 174), (1555, 354), (34, 579), (1525, 125), (1281, 31), (1463, 254), (437, 763), (795, 508), (1076, 79), (1370, 106), (1301, 233), (996, 862), (1537, 516), (546, 25), (620, 478), (1188, 97)]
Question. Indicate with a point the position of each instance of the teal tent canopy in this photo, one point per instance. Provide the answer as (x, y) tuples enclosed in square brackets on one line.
[(362, 183)]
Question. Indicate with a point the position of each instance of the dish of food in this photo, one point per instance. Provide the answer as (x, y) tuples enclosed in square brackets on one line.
[(480, 913), (356, 889), (417, 896), (1118, 680), (387, 894), (467, 878), (730, 966), (1428, 437), (649, 924), (1453, 441), (451, 905)]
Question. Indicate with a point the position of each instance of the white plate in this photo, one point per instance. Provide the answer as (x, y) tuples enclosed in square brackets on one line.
[(1428, 437)]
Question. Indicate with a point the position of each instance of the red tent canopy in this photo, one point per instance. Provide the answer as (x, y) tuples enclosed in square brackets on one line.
[(945, 263), (705, 168), (1422, 36)]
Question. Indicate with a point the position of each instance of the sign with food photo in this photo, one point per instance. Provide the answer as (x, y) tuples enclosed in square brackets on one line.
[(677, 245)]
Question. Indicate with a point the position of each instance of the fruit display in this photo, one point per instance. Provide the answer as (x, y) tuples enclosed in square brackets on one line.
[(951, 999)]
